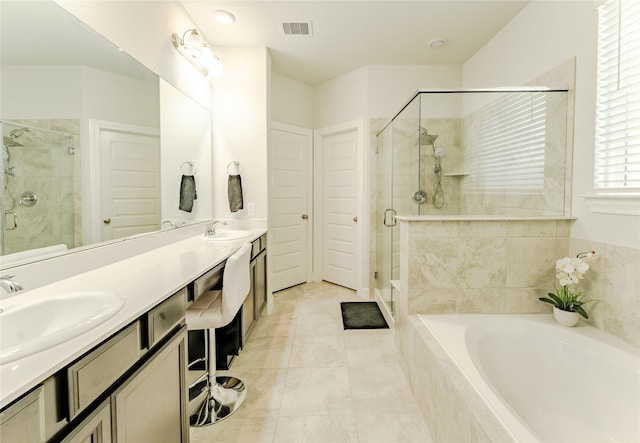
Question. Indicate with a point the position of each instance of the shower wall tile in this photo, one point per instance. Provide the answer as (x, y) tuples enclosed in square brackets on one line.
[(530, 261), (480, 266)]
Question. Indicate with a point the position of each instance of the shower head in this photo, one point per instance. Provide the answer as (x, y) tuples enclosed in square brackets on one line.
[(10, 142), (425, 137)]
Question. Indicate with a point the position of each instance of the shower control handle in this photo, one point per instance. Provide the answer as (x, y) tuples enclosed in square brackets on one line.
[(393, 217), (106, 221)]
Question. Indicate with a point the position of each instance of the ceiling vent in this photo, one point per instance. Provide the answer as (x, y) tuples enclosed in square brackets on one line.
[(296, 28)]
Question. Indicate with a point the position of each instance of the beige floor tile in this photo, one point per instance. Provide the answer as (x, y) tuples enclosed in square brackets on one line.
[(389, 428), (316, 391), (264, 391), (381, 390), (316, 429), (370, 347), (309, 380), (265, 352), (319, 323), (311, 351), (237, 430)]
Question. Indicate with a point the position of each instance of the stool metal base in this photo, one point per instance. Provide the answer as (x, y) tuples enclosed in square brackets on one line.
[(218, 402)]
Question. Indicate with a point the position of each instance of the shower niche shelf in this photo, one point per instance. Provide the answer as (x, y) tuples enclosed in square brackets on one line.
[(455, 174)]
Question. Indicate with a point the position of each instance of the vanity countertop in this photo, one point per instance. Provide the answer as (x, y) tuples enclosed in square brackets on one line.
[(142, 281)]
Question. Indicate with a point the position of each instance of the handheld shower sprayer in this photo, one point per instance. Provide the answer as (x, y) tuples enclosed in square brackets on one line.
[(438, 193)]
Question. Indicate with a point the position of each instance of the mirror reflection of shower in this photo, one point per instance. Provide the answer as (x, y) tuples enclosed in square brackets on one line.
[(10, 141)]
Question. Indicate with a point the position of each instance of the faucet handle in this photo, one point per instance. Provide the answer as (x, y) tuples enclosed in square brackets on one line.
[(10, 285)]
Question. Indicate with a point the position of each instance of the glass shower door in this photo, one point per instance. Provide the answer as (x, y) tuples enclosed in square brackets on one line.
[(384, 233)]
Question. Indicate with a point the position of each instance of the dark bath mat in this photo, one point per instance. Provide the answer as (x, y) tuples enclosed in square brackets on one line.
[(362, 315)]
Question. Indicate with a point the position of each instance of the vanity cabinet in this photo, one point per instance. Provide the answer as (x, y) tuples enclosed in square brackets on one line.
[(94, 429), (255, 301), (151, 405), (20, 422), (131, 388)]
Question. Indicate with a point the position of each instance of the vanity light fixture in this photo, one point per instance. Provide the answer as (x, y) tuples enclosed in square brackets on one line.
[(195, 49)]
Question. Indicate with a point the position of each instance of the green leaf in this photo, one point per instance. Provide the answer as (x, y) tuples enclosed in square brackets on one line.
[(580, 311), (557, 299), (547, 300)]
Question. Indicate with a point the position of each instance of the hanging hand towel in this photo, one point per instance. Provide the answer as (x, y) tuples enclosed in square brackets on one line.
[(235, 193), (187, 193)]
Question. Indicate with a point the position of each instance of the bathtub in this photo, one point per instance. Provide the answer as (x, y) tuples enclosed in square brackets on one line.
[(545, 382)]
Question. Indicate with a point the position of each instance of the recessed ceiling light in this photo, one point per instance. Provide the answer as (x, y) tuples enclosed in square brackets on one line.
[(224, 17), (437, 42)]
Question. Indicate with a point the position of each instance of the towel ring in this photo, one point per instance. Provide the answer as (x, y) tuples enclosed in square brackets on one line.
[(192, 166), (237, 164)]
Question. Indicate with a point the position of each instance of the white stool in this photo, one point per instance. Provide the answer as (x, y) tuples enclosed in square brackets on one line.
[(214, 309)]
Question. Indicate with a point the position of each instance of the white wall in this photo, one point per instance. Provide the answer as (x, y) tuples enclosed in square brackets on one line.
[(542, 36), (292, 101), (240, 131), (143, 29), (185, 137), (389, 87), (341, 99), (42, 92)]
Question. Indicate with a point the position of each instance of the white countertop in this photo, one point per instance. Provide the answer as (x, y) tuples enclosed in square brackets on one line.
[(142, 281)]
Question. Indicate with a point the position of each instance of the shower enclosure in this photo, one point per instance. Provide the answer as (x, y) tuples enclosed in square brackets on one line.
[(498, 152), (40, 187)]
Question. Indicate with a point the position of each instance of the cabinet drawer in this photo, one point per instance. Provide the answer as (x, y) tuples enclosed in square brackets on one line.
[(22, 420), (93, 374), (166, 316)]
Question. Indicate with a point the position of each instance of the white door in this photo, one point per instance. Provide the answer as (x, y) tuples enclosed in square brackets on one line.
[(130, 165), (340, 203), (289, 218)]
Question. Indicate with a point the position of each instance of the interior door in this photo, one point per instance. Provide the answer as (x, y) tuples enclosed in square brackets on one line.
[(340, 208), (130, 183), (289, 206)]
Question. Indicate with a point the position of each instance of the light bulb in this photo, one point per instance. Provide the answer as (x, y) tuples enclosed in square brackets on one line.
[(193, 42), (206, 56)]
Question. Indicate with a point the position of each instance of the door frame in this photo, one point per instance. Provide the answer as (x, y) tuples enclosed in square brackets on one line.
[(318, 158), (308, 133), (92, 182)]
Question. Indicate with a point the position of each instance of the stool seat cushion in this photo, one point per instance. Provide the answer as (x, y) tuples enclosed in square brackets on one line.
[(206, 312)]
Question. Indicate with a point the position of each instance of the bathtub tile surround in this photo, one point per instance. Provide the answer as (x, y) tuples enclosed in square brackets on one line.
[(481, 266), (475, 265), (613, 278)]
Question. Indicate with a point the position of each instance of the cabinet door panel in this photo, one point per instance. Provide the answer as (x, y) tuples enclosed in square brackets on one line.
[(151, 405), (95, 429)]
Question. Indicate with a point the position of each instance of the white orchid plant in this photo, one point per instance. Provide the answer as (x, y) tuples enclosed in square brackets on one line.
[(570, 271)]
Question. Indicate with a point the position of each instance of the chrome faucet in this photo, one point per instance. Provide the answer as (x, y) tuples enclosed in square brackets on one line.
[(211, 227), (8, 284)]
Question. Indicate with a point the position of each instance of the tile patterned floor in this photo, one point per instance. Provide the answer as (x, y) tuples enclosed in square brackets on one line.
[(309, 380)]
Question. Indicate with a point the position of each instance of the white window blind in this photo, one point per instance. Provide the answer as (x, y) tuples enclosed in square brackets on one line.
[(617, 162), (506, 143)]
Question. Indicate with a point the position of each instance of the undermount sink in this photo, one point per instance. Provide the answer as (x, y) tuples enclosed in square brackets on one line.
[(229, 235), (35, 325)]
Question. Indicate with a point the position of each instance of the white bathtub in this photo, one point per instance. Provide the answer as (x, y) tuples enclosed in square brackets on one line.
[(545, 382)]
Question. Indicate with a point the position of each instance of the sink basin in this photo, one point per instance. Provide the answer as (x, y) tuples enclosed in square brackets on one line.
[(229, 235), (38, 324)]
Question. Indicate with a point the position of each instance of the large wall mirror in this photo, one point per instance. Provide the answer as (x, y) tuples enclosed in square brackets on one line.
[(95, 147)]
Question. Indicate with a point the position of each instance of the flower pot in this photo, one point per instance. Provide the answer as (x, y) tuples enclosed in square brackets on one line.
[(566, 318)]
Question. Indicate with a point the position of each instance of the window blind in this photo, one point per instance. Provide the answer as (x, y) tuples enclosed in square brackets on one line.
[(506, 142), (617, 157)]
